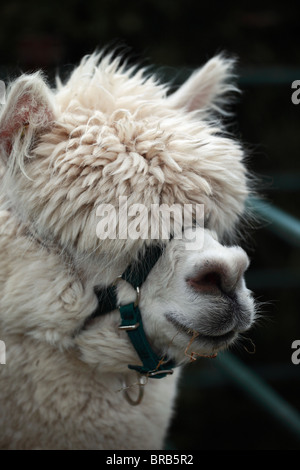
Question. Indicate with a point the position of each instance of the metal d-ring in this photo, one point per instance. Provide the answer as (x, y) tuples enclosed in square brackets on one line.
[(137, 289), (142, 380), (137, 300), (117, 279)]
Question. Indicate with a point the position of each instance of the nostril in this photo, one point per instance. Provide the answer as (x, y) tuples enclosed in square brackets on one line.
[(206, 282), (219, 273), (212, 279)]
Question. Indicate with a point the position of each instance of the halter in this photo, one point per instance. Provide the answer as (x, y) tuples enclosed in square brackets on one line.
[(131, 320)]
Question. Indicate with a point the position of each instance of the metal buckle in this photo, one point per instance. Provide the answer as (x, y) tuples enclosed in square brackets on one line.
[(136, 303), (153, 373), (129, 327)]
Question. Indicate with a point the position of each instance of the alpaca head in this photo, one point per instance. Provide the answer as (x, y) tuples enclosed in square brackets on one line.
[(111, 132)]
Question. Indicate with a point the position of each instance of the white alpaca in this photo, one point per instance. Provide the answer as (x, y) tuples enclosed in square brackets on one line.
[(111, 132)]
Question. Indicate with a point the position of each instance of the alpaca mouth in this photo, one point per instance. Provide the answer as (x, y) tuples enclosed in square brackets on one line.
[(216, 340)]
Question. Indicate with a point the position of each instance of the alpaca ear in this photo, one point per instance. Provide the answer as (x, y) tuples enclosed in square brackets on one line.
[(206, 88), (27, 111)]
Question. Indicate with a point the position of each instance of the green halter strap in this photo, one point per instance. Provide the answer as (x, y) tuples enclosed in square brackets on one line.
[(153, 366)]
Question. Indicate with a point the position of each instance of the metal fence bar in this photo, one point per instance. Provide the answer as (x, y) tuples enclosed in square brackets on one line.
[(268, 278), (275, 75), (258, 390), (282, 224), (247, 76), (279, 182)]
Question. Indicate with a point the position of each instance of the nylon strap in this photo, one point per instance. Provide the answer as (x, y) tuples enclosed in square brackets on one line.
[(153, 366), (136, 274)]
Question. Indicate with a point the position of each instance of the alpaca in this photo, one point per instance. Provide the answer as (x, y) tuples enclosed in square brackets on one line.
[(76, 375)]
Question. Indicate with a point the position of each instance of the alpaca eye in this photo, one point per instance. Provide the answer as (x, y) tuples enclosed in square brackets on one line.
[(207, 221), (198, 223), (195, 223)]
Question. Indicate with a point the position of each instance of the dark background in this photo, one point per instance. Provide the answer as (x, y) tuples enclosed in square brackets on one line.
[(212, 412)]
